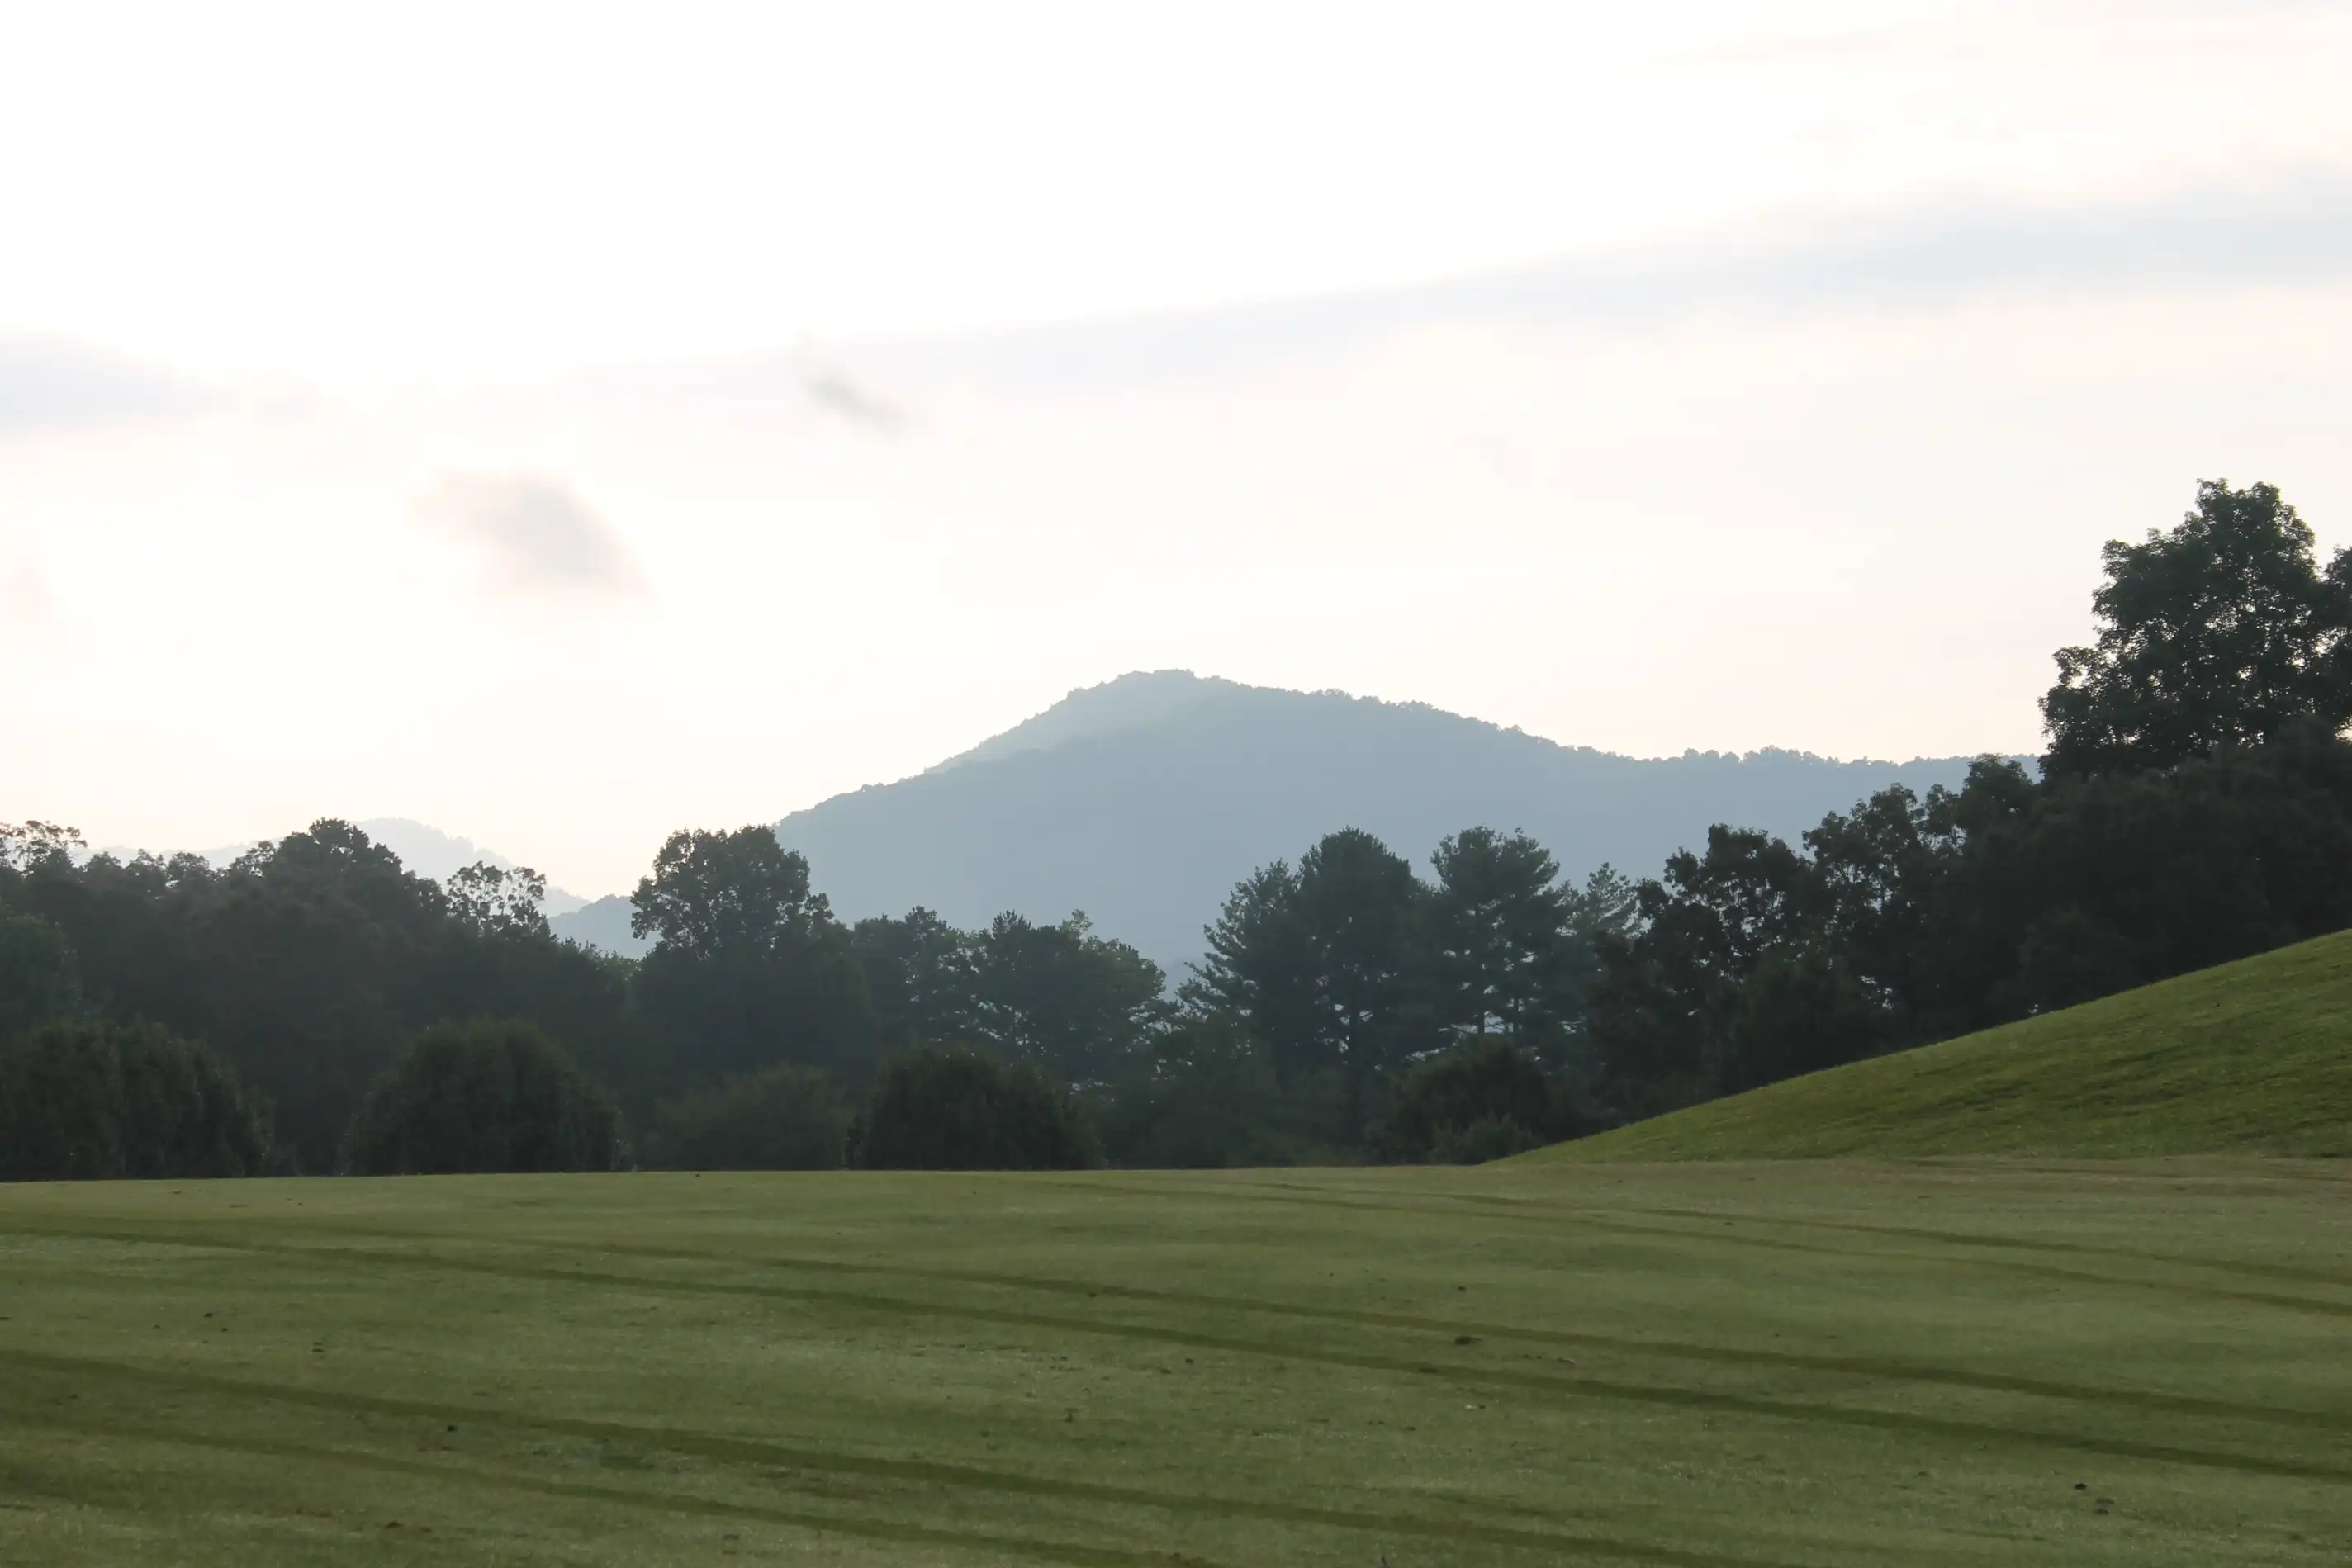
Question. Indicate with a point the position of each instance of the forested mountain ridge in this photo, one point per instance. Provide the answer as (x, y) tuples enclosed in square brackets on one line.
[(1143, 799)]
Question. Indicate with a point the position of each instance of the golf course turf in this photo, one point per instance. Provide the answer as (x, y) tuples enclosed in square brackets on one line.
[(1743, 1364), (2254, 1057)]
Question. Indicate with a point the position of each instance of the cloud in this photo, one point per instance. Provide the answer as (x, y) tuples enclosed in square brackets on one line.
[(2294, 232), (534, 536), (833, 391), (52, 382)]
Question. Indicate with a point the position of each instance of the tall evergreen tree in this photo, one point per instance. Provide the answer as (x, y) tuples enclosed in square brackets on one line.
[(1322, 964), (1259, 971), (1499, 946)]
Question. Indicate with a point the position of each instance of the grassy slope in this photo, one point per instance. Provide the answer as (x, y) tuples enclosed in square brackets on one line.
[(1738, 1366), (2254, 1057)]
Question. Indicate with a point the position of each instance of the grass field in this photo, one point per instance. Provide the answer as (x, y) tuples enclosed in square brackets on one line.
[(1814, 1364), (2254, 1057)]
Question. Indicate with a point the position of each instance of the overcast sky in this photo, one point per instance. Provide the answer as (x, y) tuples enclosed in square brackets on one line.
[(563, 428)]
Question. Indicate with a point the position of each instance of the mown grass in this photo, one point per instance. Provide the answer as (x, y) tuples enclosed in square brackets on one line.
[(1758, 1366), (2254, 1057)]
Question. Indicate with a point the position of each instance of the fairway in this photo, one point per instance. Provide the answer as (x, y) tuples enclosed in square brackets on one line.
[(1800, 1364)]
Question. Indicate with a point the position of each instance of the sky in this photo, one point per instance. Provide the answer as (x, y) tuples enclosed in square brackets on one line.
[(567, 423)]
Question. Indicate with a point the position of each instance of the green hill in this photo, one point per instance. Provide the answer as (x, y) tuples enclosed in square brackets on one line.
[(2254, 1057)]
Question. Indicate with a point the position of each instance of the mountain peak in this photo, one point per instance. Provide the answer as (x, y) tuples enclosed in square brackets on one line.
[(1143, 799), (1136, 700)]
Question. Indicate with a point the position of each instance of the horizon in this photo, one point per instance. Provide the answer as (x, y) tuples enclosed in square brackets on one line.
[(560, 431)]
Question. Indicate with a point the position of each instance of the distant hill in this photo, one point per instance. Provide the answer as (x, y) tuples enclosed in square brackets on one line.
[(2248, 1058), (1142, 800), (602, 923)]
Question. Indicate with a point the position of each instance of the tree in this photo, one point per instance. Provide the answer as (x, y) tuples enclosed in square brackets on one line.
[(785, 1119), (37, 978), (1321, 964), (499, 900), (1667, 992), (1208, 1097), (1910, 920), (964, 1110), (918, 975), (302, 961), (748, 968), (2221, 632), (1359, 903), (1080, 1005), (28, 844), (310, 963), (92, 1100), (1499, 945), (1802, 1008), (1259, 970), (1603, 913), (490, 1096), (2115, 880), (715, 895)]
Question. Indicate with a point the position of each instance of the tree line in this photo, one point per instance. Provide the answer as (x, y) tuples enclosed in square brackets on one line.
[(2194, 805)]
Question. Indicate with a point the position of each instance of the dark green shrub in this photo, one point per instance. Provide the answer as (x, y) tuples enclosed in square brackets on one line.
[(96, 1100), (963, 1111), (488, 1095), (785, 1119), (1475, 1103)]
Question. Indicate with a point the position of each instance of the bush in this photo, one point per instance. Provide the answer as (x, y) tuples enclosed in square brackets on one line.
[(963, 1111), (785, 1119), (1473, 1104), (490, 1095), (80, 1100)]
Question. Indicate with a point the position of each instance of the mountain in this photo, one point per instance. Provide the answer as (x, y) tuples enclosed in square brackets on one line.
[(1142, 800), (1132, 701), (2247, 1058), (601, 923)]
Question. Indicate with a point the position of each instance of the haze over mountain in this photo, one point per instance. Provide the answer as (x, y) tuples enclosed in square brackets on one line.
[(1143, 799)]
